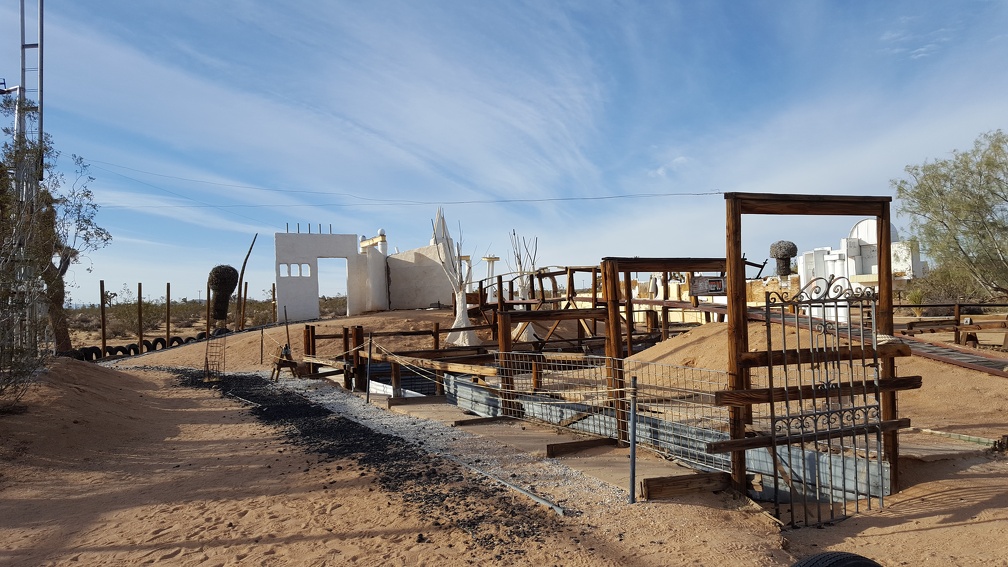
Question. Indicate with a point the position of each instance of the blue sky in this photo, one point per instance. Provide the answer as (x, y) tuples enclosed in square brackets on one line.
[(207, 122)]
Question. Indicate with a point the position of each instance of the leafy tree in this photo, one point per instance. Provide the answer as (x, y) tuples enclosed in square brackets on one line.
[(62, 219), (946, 285), (958, 209)]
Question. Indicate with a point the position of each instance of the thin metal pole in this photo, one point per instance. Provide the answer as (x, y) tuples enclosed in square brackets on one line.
[(633, 439), (367, 378)]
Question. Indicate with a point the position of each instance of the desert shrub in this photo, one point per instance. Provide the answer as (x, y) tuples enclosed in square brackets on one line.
[(331, 307), (83, 321), (916, 298), (117, 329)]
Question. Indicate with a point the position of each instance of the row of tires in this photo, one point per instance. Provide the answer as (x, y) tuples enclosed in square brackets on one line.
[(93, 353)]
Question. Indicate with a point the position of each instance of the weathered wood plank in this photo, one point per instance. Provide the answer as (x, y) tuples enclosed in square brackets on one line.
[(625, 264), (670, 486), (768, 441), (458, 367), (556, 315), (773, 204), (481, 420), (554, 450), (807, 391), (416, 400), (807, 355)]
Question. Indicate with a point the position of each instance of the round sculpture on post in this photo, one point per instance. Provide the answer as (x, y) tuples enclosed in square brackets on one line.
[(222, 282), (783, 251)]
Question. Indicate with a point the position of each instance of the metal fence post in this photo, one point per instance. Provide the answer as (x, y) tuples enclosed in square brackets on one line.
[(633, 438)]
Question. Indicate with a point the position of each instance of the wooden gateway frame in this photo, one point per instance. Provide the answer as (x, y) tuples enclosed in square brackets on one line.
[(739, 204)]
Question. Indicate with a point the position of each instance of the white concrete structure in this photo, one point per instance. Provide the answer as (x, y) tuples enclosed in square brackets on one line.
[(417, 279), (297, 281), (857, 259), (376, 281)]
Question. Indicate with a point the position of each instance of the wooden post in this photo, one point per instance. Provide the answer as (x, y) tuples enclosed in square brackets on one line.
[(738, 331), (273, 299), (628, 292), (614, 345), (358, 339), (101, 290), (958, 321), (500, 306), (306, 341), (168, 314), (570, 288), (396, 380), (664, 309), (884, 324), (312, 367), (595, 288), (536, 371), (347, 377), (438, 374), (139, 317)]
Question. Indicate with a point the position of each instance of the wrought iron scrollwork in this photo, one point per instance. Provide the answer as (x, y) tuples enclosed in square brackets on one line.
[(819, 290)]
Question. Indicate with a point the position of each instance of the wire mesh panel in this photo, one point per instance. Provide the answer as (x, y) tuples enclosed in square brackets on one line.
[(590, 394), (826, 458), (213, 366)]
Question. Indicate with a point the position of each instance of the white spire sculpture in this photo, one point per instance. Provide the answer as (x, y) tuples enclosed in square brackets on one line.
[(458, 271)]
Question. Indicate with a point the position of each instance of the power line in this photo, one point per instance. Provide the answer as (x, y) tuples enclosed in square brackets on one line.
[(369, 202)]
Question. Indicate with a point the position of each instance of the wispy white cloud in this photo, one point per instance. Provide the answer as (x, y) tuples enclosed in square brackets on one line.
[(447, 101)]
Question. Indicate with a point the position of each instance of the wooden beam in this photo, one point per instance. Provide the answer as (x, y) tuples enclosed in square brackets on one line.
[(554, 450), (659, 488), (774, 204), (625, 264), (416, 400), (481, 420), (456, 367), (556, 315), (768, 441), (324, 374), (809, 355), (808, 391)]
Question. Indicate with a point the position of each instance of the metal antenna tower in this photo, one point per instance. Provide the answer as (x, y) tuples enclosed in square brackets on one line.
[(24, 293)]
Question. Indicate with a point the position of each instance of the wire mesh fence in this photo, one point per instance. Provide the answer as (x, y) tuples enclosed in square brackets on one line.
[(591, 395)]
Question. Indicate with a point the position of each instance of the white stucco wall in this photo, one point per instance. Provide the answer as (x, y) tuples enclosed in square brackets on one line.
[(417, 279), (297, 274)]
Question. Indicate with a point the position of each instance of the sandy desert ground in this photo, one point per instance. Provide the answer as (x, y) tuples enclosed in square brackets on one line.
[(134, 463)]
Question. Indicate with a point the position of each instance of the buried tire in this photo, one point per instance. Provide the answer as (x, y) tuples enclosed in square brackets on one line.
[(160, 343), (176, 341), (836, 559)]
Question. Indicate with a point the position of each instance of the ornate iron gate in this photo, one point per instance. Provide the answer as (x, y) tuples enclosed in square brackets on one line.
[(827, 455)]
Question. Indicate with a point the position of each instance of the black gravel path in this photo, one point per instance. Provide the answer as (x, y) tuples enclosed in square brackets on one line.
[(446, 493)]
